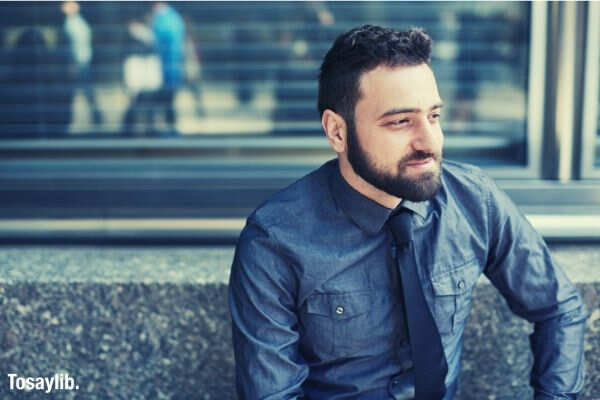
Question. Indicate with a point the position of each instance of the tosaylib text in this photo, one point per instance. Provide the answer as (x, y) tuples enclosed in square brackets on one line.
[(42, 383)]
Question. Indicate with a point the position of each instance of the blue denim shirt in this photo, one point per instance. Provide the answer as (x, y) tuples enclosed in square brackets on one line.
[(316, 305)]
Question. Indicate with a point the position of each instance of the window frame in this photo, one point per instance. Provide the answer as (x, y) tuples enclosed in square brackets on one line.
[(202, 168)]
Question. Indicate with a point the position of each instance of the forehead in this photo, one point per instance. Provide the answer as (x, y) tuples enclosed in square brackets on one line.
[(384, 88)]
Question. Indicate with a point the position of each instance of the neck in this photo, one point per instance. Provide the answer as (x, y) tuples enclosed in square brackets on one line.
[(365, 188)]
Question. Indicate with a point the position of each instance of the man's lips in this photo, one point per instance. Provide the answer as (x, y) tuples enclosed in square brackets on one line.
[(418, 163)]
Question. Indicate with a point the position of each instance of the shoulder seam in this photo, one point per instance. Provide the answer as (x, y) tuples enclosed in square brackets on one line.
[(270, 233)]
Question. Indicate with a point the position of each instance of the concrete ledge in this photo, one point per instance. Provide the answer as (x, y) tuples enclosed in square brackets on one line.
[(575, 227), (496, 356), (152, 323)]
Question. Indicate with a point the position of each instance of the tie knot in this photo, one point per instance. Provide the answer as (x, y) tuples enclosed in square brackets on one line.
[(401, 226)]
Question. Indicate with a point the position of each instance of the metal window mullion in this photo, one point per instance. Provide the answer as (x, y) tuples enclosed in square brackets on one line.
[(564, 116), (536, 86)]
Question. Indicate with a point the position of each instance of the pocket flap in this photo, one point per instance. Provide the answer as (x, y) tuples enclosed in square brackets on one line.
[(339, 306), (456, 281)]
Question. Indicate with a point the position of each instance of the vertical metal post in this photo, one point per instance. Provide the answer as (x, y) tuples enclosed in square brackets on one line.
[(536, 99), (565, 85), (564, 91)]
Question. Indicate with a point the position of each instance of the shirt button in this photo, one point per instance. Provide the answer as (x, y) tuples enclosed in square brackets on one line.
[(461, 284), (339, 310), (395, 382)]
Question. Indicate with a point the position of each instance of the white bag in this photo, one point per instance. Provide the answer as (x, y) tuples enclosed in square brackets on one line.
[(143, 72)]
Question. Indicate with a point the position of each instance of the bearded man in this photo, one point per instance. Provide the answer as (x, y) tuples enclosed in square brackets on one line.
[(355, 282)]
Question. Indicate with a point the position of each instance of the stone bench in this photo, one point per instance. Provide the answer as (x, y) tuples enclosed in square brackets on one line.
[(153, 323)]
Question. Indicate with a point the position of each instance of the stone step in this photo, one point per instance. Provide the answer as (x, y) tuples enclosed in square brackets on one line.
[(153, 323)]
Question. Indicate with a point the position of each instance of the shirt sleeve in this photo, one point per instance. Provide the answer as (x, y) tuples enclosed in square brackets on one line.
[(264, 321), (519, 264)]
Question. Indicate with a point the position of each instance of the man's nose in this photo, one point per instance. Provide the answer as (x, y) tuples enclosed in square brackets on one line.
[(427, 136)]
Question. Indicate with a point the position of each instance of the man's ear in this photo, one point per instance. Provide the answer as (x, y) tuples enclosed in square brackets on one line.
[(335, 130)]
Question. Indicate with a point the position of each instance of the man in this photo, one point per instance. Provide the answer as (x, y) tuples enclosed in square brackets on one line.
[(154, 90), (169, 33), (355, 282), (79, 36)]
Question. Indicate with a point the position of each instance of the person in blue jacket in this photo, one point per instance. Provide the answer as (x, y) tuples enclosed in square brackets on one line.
[(169, 38)]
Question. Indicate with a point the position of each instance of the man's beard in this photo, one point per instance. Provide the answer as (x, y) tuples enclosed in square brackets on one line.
[(421, 188)]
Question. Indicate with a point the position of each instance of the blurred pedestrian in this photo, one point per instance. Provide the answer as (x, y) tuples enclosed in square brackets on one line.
[(165, 38), (142, 74), (79, 36), (298, 47), (169, 35), (36, 92)]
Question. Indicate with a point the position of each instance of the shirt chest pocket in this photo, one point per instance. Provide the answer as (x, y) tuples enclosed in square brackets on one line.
[(343, 324), (452, 296)]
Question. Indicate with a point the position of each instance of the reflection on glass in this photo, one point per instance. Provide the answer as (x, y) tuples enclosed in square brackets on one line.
[(129, 70)]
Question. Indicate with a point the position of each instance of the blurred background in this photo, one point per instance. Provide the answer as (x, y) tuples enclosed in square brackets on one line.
[(136, 137), (122, 120)]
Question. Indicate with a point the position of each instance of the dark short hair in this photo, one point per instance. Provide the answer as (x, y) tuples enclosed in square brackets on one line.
[(361, 50)]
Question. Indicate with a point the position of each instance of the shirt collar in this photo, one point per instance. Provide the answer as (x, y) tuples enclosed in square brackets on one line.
[(369, 215), (421, 208)]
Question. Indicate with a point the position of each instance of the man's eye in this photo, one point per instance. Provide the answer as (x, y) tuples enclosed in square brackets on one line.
[(398, 122), (435, 116)]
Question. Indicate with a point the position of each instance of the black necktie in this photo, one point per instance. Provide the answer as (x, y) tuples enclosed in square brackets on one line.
[(430, 367)]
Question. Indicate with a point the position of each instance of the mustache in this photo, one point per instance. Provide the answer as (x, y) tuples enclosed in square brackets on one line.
[(418, 156)]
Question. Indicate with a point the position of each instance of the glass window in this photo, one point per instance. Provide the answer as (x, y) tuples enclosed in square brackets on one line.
[(128, 70), (590, 115)]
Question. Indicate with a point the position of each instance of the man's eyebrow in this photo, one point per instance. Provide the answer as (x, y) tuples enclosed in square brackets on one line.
[(394, 111)]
